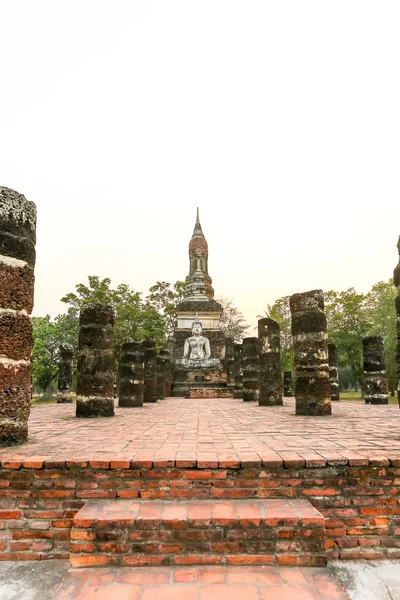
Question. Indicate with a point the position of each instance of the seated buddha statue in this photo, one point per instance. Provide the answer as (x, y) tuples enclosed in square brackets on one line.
[(197, 351)]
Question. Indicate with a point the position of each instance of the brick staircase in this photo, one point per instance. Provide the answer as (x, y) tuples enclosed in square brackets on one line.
[(198, 532)]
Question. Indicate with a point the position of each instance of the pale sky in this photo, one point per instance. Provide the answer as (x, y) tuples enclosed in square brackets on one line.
[(280, 120)]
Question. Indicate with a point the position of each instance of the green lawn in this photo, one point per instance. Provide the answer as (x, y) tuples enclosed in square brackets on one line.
[(356, 397)]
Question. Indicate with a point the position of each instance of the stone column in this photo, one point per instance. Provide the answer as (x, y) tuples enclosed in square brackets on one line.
[(287, 384), (150, 371), (229, 362), (396, 281), (238, 373), (161, 375), (167, 373), (17, 263), (251, 368), (333, 372), (269, 348), (310, 345), (96, 366), (375, 387), (131, 375), (64, 395)]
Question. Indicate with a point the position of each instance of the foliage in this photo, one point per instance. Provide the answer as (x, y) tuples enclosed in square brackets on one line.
[(348, 322), (48, 335), (135, 319), (165, 300), (233, 323), (280, 312), (381, 310)]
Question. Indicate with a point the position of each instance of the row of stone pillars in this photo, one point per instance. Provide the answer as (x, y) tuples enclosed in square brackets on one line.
[(144, 376)]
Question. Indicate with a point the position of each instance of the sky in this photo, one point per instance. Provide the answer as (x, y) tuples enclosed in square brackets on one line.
[(279, 120)]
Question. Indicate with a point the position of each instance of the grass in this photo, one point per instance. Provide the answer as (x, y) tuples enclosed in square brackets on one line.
[(356, 397)]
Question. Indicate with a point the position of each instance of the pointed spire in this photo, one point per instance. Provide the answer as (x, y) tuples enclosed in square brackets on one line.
[(197, 232)]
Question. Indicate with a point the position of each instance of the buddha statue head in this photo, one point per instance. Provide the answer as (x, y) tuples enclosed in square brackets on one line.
[(197, 327)]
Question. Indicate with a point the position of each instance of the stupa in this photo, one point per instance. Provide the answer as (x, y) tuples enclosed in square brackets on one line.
[(200, 343)]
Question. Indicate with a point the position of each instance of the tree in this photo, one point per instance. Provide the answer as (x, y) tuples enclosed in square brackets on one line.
[(380, 303), (233, 323), (48, 336), (165, 300), (280, 312), (135, 319), (348, 322)]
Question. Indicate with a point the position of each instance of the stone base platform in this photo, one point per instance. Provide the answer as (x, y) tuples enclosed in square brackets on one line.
[(346, 465), (224, 392)]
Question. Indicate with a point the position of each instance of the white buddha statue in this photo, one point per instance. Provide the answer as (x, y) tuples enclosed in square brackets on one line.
[(197, 350)]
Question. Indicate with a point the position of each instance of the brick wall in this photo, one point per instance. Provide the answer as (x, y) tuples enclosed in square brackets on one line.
[(360, 501)]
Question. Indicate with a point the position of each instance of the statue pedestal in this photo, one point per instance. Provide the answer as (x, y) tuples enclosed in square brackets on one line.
[(205, 382)]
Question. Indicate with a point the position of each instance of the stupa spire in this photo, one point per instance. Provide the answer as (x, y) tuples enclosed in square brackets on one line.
[(198, 232)]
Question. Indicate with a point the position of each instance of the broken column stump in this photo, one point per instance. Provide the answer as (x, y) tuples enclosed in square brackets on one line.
[(161, 375), (251, 368), (270, 375), (396, 281), (375, 387), (287, 384), (310, 346), (238, 373), (333, 372), (17, 263), (131, 375), (150, 371), (167, 373), (96, 366), (230, 362), (64, 395)]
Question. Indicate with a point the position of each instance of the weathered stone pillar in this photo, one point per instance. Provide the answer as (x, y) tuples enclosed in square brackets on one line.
[(396, 281), (287, 384), (229, 362), (333, 372), (64, 395), (96, 366), (167, 373), (375, 387), (310, 346), (17, 263), (161, 375), (131, 375), (238, 373), (269, 348), (251, 368), (150, 371)]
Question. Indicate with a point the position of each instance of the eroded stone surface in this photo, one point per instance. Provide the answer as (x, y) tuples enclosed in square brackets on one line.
[(269, 346), (17, 261), (333, 372), (251, 370), (64, 395), (150, 371), (238, 372), (310, 346), (375, 387), (131, 375), (96, 365)]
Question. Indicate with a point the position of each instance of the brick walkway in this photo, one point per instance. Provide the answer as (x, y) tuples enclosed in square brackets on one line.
[(214, 431), (200, 583)]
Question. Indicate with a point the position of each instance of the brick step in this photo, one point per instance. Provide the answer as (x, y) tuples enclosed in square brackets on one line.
[(155, 532)]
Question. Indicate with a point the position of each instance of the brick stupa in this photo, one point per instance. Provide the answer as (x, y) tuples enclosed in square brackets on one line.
[(198, 304)]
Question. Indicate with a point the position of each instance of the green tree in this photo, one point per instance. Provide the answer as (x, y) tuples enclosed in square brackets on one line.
[(348, 322), (165, 300), (380, 303), (233, 323), (280, 312), (135, 319), (48, 336)]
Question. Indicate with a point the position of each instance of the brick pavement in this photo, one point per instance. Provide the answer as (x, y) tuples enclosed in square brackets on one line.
[(200, 583), (214, 431)]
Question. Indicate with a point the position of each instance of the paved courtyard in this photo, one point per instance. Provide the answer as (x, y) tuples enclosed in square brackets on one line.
[(214, 430)]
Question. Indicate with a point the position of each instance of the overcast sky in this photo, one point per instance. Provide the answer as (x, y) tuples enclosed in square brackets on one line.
[(280, 120)]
